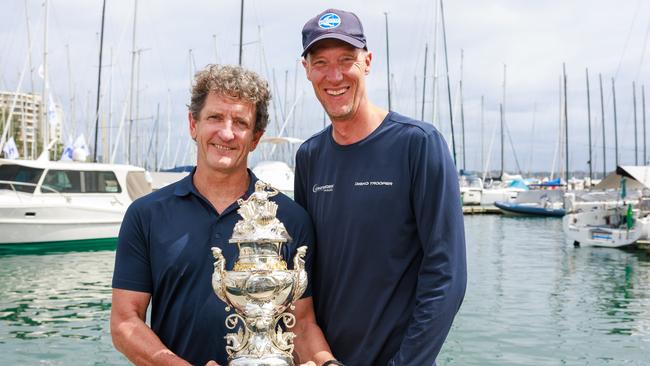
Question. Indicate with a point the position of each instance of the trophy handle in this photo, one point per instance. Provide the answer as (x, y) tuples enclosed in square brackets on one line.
[(218, 276), (300, 275)]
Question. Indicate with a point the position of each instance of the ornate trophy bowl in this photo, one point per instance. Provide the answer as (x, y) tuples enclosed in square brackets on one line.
[(260, 287)]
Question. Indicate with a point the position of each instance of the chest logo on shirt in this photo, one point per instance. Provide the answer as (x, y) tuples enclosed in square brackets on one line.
[(373, 184), (324, 188)]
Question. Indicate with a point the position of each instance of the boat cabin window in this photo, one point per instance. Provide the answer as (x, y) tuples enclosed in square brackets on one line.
[(101, 182), (74, 181), (19, 178), (62, 181)]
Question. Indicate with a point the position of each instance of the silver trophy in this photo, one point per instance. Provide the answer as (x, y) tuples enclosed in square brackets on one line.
[(260, 287)]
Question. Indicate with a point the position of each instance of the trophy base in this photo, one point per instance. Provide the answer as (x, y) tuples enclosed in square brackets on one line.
[(273, 360)]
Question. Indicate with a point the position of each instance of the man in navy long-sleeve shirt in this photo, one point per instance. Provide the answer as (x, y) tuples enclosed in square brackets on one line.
[(382, 190)]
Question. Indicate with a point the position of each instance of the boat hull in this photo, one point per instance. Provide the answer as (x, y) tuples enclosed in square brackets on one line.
[(513, 209), (58, 246), (15, 233), (590, 229), (44, 223)]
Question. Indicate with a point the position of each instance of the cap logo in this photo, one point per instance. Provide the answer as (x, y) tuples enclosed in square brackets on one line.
[(329, 21)]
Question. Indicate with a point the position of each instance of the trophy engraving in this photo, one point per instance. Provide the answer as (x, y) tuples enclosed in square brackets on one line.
[(260, 287)]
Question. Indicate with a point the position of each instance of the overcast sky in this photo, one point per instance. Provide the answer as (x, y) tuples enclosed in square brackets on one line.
[(533, 38)]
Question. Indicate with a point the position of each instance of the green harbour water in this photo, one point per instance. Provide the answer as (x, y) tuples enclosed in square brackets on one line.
[(532, 299)]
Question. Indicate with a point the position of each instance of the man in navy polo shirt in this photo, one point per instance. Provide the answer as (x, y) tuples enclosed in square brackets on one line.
[(389, 272), (163, 255)]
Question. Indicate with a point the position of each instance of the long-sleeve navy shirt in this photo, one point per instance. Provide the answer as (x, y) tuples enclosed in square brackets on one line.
[(389, 269)]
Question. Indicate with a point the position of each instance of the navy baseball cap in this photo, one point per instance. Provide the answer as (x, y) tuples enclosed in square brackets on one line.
[(333, 23)]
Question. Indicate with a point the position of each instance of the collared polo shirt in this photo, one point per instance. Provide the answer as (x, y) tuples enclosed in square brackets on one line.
[(164, 249)]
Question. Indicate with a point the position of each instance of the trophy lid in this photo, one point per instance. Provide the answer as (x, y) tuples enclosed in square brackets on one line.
[(259, 222)]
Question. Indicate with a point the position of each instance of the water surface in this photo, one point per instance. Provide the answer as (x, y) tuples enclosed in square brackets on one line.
[(532, 299)]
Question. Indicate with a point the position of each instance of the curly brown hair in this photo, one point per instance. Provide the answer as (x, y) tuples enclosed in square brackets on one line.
[(233, 81)]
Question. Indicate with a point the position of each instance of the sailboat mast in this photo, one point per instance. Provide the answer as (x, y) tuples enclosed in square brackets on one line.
[(566, 128), (602, 119), (636, 144), (44, 104), (482, 129), (451, 114), (615, 122), (216, 53), (462, 109), (424, 81), (241, 31), (388, 63), (589, 124), (434, 119), (501, 123), (645, 156), (29, 56), (99, 80), (131, 93)]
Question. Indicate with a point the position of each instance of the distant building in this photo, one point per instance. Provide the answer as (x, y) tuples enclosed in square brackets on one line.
[(26, 126)]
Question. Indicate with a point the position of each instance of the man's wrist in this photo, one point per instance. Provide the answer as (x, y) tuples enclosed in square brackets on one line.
[(333, 362)]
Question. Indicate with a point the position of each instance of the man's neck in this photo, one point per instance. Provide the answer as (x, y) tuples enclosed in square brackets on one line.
[(219, 188), (358, 127)]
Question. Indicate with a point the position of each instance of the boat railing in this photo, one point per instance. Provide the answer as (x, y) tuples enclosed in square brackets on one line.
[(14, 184)]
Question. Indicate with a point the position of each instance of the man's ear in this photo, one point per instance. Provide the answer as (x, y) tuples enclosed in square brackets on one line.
[(367, 60), (305, 64), (192, 125), (256, 139)]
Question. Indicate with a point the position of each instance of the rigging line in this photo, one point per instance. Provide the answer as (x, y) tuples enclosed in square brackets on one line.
[(8, 42), (645, 44), (512, 146), (627, 39), (488, 156)]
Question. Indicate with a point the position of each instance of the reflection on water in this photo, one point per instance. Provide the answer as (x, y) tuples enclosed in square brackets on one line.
[(532, 299), (54, 309)]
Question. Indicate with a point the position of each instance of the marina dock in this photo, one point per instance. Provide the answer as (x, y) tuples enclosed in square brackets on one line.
[(481, 210)]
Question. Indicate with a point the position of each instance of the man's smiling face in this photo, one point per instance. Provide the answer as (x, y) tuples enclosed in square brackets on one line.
[(224, 133), (337, 72)]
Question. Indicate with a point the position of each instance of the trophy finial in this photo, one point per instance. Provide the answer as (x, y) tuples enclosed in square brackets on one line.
[(259, 221)]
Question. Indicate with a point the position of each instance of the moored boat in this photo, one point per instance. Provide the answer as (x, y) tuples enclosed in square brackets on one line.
[(530, 209), (46, 202), (605, 227), (534, 203)]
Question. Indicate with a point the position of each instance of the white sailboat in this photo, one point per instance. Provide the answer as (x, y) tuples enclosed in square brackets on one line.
[(605, 226), (607, 217)]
